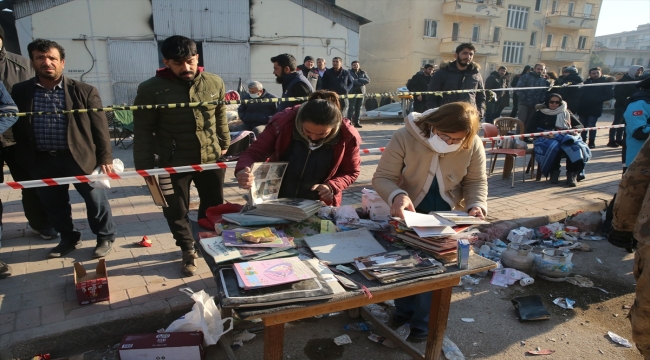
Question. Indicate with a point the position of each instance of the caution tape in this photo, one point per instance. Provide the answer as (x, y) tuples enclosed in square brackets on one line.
[(291, 99), (15, 185)]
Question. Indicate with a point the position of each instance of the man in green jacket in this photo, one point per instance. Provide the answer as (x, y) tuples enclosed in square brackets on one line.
[(182, 136)]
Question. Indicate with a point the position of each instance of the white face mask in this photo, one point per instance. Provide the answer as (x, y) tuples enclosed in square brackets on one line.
[(254, 96), (440, 146)]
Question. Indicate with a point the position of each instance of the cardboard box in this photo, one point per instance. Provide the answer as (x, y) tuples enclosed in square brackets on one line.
[(376, 207), (168, 346), (91, 286)]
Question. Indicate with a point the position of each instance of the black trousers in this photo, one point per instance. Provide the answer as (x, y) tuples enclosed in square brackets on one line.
[(34, 210), (209, 184), (56, 199), (576, 167)]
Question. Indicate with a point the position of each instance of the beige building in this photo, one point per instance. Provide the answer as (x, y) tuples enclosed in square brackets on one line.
[(404, 35), (621, 50)]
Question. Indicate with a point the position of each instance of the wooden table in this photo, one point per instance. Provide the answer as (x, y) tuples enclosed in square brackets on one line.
[(441, 286)]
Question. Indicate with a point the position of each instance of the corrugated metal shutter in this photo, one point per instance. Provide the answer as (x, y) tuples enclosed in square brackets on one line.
[(230, 61), (130, 63), (202, 20), (26, 8)]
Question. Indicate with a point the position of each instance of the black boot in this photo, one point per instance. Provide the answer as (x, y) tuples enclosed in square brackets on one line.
[(357, 125), (103, 248), (571, 179), (64, 247), (555, 176)]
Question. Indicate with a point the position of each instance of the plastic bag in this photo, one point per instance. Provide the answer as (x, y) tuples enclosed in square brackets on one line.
[(118, 166), (204, 316)]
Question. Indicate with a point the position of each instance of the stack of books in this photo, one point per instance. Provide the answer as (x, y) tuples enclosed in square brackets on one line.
[(287, 208), (389, 267), (230, 246)]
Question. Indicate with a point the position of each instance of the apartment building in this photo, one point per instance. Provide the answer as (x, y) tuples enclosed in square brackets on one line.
[(404, 35), (621, 50)]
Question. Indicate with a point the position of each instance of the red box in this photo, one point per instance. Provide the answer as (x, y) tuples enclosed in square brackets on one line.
[(92, 286), (168, 346)]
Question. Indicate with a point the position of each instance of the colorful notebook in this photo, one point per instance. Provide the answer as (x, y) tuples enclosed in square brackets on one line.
[(257, 274)]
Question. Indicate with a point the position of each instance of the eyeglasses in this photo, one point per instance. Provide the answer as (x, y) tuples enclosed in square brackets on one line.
[(554, 102), (447, 138)]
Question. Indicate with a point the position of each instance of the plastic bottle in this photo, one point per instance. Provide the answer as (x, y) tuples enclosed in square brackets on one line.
[(451, 351), (403, 331), (359, 326), (378, 312)]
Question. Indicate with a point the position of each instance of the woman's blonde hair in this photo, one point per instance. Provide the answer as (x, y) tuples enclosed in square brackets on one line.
[(452, 118)]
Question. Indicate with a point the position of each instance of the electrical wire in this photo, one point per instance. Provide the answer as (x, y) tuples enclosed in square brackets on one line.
[(91, 56)]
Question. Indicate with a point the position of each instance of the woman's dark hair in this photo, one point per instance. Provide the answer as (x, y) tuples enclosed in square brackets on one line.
[(552, 95), (322, 108), (178, 48), (552, 75), (527, 68), (452, 118), (43, 45)]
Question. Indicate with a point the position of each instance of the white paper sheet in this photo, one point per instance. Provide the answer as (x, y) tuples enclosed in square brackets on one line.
[(424, 220), (343, 247)]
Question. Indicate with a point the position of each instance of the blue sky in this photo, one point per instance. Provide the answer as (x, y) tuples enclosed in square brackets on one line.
[(622, 15)]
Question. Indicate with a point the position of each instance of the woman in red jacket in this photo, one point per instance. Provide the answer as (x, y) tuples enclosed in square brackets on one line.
[(321, 147)]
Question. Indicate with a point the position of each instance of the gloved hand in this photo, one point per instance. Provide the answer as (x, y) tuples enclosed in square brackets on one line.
[(622, 239)]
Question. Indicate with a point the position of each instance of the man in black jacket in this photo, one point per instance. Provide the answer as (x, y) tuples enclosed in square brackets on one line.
[(621, 94), (294, 83), (460, 74), (497, 80), (515, 97), (591, 103), (571, 95), (360, 80), (420, 82), (64, 145), (338, 80), (14, 69)]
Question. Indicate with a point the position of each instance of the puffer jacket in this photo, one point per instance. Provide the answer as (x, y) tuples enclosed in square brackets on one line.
[(448, 77), (256, 114), (495, 81), (13, 69), (184, 136), (623, 92), (631, 212), (593, 97), (570, 94), (359, 80), (532, 97)]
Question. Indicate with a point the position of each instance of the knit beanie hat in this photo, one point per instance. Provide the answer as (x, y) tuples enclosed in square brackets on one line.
[(307, 58)]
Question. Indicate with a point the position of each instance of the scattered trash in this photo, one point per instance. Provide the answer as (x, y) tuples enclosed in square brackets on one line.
[(451, 351), (378, 312), (41, 357), (342, 340), (469, 279), (615, 315), (519, 235), (599, 261), (540, 352), (600, 351), (345, 269), (590, 236), (571, 229), (601, 289), (522, 343), (580, 281), (627, 307), (564, 303), (145, 242), (381, 340), (552, 339), (360, 326), (243, 336), (237, 344), (390, 302), (327, 315), (530, 308), (619, 340), (547, 230), (505, 277), (403, 331), (468, 320)]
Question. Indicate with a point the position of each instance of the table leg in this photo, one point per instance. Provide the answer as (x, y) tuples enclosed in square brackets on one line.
[(507, 167), (437, 322), (274, 342)]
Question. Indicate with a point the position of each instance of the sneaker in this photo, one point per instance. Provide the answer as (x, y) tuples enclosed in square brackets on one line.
[(612, 144), (189, 262), (103, 248), (5, 270), (63, 249), (418, 335), (357, 125), (47, 233)]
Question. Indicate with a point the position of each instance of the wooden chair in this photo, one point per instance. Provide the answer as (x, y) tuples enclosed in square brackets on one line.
[(504, 125)]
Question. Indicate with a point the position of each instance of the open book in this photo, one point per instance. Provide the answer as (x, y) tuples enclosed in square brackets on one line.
[(264, 195)]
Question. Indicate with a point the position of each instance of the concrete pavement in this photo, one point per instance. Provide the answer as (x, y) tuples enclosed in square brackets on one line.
[(38, 307)]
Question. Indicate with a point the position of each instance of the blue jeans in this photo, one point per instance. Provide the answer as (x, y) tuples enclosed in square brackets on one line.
[(416, 308), (354, 110), (56, 199), (589, 121)]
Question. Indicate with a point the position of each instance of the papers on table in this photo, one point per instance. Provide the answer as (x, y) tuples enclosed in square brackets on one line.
[(425, 220), (344, 247)]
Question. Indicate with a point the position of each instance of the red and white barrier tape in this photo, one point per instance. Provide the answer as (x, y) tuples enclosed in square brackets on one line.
[(14, 185)]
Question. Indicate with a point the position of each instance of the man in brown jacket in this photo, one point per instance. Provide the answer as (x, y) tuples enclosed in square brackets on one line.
[(63, 145), (632, 223)]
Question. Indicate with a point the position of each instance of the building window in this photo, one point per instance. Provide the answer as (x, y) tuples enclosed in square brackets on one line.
[(619, 62), (564, 41), (513, 51), (633, 61), (517, 17), (497, 34), (549, 40), (554, 7), (639, 61), (538, 5), (612, 42), (570, 11), (455, 30), (589, 8), (582, 42), (427, 61), (430, 28), (533, 38), (476, 33)]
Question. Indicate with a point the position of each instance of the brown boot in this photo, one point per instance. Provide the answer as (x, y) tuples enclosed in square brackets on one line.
[(189, 262)]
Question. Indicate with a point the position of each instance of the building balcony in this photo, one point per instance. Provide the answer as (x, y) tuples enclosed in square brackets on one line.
[(573, 21), (486, 9), (556, 53), (483, 47)]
